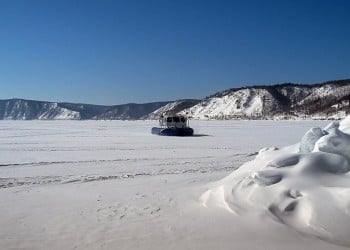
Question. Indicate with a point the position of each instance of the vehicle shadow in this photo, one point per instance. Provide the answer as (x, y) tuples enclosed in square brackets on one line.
[(200, 135)]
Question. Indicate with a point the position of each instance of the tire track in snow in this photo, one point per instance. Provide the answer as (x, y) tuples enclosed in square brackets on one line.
[(40, 163), (44, 180)]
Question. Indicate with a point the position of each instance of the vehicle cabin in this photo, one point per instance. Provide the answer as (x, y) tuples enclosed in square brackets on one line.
[(173, 122)]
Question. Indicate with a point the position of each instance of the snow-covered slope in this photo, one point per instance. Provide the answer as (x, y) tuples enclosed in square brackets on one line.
[(172, 107), (331, 99), (244, 102), (17, 109), (131, 111)]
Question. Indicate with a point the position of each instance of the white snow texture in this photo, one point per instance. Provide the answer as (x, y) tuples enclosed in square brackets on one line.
[(305, 186)]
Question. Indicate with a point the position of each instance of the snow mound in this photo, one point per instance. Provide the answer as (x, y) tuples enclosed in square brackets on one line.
[(305, 186)]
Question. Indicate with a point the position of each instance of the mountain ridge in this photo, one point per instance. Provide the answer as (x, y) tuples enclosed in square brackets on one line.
[(328, 100), (279, 101)]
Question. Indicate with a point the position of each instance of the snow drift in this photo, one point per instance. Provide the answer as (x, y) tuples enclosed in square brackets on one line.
[(305, 186)]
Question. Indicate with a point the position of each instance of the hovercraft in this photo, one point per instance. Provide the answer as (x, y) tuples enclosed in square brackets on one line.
[(173, 126)]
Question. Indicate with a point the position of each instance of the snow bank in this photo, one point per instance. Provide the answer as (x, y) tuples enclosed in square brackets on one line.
[(305, 186)]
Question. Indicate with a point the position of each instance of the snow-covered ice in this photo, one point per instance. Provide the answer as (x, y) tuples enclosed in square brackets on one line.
[(113, 185)]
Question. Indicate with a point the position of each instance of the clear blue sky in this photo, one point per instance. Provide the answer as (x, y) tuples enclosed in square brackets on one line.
[(113, 52)]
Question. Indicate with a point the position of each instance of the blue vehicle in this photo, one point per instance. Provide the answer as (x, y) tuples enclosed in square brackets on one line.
[(173, 126)]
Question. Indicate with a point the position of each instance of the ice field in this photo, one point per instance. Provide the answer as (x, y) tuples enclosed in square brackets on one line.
[(114, 185)]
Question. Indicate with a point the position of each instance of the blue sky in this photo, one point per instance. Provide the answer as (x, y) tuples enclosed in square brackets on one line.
[(113, 52)]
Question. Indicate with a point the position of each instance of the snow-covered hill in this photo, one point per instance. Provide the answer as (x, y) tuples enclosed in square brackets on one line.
[(131, 111), (327, 100), (172, 107), (17, 109), (285, 101)]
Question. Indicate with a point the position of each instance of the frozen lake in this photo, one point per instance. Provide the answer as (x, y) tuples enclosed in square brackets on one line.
[(43, 152), (113, 185)]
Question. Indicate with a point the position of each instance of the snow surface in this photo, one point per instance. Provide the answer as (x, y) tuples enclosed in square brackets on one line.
[(305, 186), (113, 185)]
